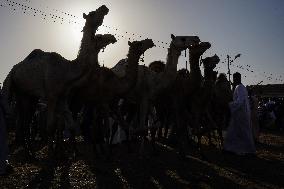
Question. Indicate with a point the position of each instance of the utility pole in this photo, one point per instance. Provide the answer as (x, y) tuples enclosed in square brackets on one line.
[(229, 62), (185, 61), (229, 71)]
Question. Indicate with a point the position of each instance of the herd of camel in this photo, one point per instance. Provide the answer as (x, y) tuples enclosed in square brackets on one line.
[(184, 101)]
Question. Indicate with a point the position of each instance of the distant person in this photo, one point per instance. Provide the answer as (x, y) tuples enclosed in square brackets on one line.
[(254, 114), (239, 138), (223, 96), (5, 168), (270, 117), (279, 110)]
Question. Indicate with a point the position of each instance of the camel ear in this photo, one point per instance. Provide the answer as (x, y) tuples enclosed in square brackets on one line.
[(129, 43), (173, 36), (84, 16)]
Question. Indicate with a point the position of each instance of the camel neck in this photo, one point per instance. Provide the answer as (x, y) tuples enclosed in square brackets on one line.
[(86, 46), (194, 63), (133, 55), (208, 74), (133, 59), (130, 78), (172, 60)]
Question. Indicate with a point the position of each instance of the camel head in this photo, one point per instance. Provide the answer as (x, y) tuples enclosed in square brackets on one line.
[(183, 42), (157, 66), (199, 48), (210, 62), (103, 40), (95, 18), (141, 46)]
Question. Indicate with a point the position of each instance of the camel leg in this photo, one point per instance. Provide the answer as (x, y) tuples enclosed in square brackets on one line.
[(153, 132), (94, 129), (166, 128), (161, 117), (159, 130), (114, 129), (30, 127), (196, 126), (51, 120), (142, 128), (212, 124), (220, 133), (69, 124), (180, 133), (86, 124), (127, 133), (60, 125), (225, 123), (180, 126), (71, 127), (143, 112), (20, 138), (125, 127), (210, 138), (98, 133), (199, 138), (105, 129), (25, 112), (182, 136)]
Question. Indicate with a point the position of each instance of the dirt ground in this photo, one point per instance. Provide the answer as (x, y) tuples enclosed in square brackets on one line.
[(163, 170)]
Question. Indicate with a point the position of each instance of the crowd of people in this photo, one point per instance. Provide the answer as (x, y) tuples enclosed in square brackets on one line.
[(271, 113)]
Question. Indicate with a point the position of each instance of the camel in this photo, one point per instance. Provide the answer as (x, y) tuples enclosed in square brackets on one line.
[(172, 105), (195, 77), (48, 76), (186, 82), (101, 42), (220, 110), (150, 83), (201, 119), (104, 86)]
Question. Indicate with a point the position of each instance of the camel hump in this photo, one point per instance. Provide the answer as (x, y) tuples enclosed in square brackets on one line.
[(120, 68), (33, 54), (157, 66)]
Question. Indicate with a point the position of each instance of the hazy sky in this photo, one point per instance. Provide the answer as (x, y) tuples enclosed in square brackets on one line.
[(253, 28)]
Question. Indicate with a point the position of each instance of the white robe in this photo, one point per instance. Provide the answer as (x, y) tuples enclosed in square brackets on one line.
[(239, 137)]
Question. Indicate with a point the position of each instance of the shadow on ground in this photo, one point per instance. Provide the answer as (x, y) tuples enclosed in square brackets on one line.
[(165, 170)]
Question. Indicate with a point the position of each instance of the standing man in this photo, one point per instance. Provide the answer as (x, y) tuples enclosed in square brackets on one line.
[(4, 167), (239, 137), (254, 116)]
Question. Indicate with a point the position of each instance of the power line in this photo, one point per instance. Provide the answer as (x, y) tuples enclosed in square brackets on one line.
[(126, 34), (55, 18)]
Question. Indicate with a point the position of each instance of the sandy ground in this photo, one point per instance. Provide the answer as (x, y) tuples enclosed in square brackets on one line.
[(165, 170)]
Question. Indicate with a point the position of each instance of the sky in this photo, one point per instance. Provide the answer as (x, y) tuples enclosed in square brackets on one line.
[(253, 28)]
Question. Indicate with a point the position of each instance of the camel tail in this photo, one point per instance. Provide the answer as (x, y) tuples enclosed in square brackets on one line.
[(7, 89)]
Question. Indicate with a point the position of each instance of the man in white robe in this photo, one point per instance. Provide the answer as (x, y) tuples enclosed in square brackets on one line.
[(239, 137)]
